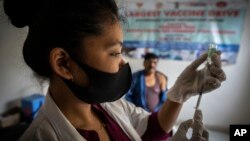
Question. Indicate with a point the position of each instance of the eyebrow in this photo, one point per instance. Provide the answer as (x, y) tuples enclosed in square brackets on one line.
[(115, 43)]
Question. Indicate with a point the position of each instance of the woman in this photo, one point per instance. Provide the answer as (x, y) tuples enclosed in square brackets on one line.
[(77, 45)]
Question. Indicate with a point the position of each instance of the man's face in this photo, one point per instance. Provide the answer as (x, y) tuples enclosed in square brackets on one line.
[(150, 65)]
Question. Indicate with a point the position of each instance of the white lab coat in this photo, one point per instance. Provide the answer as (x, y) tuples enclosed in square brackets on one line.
[(52, 125)]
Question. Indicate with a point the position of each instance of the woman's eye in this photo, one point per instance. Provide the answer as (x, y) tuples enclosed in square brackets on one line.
[(115, 54)]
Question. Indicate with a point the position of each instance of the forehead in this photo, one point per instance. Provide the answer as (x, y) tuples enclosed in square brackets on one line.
[(111, 33), (110, 39)]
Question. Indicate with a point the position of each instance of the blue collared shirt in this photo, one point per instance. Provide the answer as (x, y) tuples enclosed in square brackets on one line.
[(136, 94)]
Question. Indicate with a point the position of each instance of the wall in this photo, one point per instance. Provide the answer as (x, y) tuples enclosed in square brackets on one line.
[(16, 79), (227, 105)]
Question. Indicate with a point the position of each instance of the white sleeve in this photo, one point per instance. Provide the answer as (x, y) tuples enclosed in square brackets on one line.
[(137, 115), (127, 113)]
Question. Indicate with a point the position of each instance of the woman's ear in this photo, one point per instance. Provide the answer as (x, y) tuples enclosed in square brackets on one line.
[(59, 61)]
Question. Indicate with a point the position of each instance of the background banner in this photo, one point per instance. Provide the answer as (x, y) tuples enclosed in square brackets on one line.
[(182, 30)]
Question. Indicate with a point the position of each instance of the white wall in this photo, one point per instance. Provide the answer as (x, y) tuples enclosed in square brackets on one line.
[(230, 104), (16, 79), (227, 105)]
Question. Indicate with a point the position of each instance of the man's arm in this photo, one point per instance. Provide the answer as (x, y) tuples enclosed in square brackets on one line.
[(163, 80)]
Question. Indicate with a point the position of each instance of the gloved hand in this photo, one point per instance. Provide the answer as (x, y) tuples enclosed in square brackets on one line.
[(199, 132), (192, 81)]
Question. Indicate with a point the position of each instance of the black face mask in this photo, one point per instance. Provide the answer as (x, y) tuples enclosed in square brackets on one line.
[(103, 86)]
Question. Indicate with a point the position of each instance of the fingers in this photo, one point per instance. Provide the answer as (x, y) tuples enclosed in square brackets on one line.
[(205, 134), (198, 115), (204, 137), (215, 75), (199, 132), (216, 59), (184, 126), (182, 131), (218, 73), (211, 83), (215, 68), (198, 125), (196, 63)]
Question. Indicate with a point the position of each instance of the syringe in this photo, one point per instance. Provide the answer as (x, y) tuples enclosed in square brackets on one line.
[(198, 101), (211, 49)]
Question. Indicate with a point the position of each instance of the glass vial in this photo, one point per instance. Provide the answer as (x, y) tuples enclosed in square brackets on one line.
[(211, 49)]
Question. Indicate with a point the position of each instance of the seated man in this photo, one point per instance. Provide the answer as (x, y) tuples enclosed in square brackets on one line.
[(149, 86)]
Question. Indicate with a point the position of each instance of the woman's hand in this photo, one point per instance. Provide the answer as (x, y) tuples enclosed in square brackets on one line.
[(192, 81), (199, 131)]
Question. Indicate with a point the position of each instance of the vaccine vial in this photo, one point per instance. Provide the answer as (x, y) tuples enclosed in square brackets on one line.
[(211, 49)]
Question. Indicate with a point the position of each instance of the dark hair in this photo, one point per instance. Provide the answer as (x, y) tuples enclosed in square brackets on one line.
[(150, 56), (58, 23)]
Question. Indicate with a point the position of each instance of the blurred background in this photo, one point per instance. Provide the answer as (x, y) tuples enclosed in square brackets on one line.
[(225, 106)]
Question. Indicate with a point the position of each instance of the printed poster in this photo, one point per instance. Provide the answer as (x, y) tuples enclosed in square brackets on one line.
[(182, 30)]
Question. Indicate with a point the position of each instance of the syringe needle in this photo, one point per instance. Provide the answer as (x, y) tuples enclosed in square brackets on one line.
[(198, 101)]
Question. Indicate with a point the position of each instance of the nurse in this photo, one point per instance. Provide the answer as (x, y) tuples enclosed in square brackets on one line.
[(77, 44)]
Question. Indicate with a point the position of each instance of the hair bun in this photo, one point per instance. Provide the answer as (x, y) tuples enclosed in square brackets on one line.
[(20, 12)]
